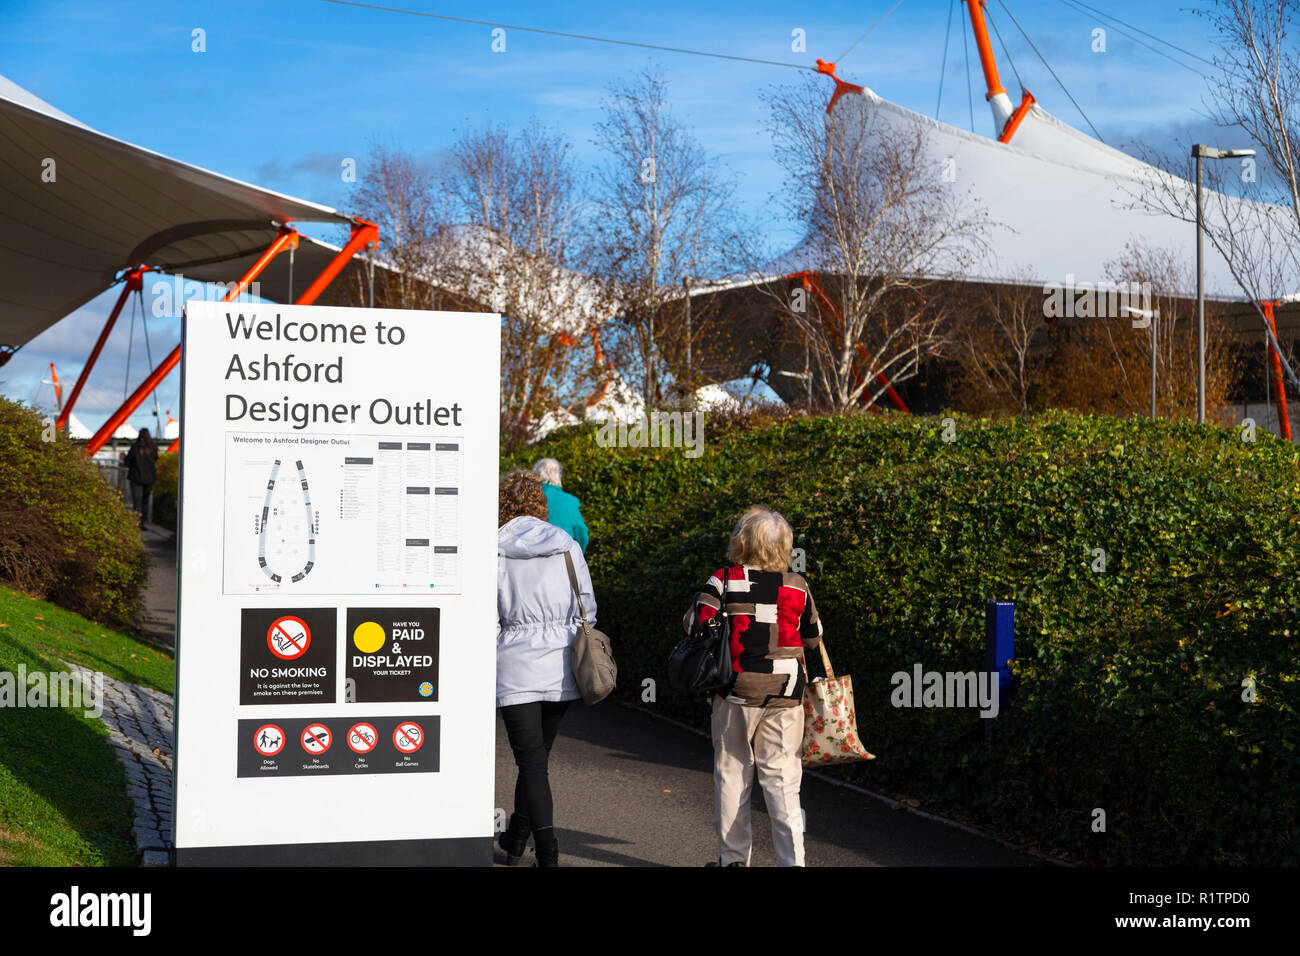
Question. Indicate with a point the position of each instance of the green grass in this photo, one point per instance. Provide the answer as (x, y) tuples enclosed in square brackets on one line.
[(63, 799)]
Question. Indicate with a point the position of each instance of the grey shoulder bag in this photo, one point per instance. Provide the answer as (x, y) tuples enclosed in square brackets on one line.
[(593, 655)]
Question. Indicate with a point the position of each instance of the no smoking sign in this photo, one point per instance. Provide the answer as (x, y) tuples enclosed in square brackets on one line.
[(287, 655), (288, 637)]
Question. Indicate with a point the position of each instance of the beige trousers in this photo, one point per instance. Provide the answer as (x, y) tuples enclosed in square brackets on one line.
[(766, 739)]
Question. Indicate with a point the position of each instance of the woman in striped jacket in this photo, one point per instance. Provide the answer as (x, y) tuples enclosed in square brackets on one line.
[(757, 718)]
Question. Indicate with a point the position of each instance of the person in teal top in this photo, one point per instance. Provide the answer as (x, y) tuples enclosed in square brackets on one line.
[(565, 509)]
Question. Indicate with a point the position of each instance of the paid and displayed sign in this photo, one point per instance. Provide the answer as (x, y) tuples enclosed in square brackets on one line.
[(338, 514), (393, 654)]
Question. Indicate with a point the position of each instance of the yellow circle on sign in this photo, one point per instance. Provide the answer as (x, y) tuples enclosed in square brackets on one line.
[(369, 637)]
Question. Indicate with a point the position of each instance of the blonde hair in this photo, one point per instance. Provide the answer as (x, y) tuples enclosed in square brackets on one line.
[(762, 539)]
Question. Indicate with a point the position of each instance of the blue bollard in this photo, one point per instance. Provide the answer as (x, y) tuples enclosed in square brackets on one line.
[(999, 649)]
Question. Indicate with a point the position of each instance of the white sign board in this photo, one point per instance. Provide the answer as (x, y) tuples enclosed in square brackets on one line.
[(336, 651)]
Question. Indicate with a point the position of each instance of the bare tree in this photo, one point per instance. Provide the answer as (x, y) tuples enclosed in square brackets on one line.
[(662, 214), (1001, 346), (489, 228), (884, 230), (1251, 211), (516, 200), (396, 191), (1103, 363)]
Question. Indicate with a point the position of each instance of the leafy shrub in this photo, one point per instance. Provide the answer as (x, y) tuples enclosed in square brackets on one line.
[(67, 536), (165, 491), (1129, 681)]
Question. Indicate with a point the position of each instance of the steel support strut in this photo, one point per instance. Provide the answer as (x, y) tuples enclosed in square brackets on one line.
[(1283, 413), (134, 282), (812, 284), (362, 233), (287, 237)]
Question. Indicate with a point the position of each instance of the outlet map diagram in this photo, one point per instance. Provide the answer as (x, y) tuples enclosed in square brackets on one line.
[(286, 534), (342, 514)]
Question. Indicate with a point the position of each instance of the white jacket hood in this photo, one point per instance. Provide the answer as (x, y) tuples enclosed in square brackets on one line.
[(537, 611), (529, 537)]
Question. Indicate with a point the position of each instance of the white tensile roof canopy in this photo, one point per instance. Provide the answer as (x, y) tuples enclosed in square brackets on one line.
[(1060, 203), (81, 206)]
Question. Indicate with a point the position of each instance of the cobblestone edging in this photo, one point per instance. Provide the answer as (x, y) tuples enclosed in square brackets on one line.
[(140, 722)]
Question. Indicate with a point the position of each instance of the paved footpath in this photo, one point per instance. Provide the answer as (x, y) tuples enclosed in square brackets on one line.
[(158, 616), (630, 789), (140, 722), (633, 790)]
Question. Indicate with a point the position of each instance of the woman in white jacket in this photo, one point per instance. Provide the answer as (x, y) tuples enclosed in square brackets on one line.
[(537, 614)]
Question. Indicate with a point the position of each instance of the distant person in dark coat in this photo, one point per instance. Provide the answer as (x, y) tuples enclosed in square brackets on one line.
[(142, 472), (565, 510)]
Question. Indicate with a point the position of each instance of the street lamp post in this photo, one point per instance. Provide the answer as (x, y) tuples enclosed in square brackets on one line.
[(1201, 151), (1151, 318)]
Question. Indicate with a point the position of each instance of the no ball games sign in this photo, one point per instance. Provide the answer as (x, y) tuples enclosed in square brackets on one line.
[(337, 531)]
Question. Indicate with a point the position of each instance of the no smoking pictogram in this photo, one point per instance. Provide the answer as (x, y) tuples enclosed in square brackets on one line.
[(269, 740), (288, 637), (316, 739), (408, 737), (362, 738)]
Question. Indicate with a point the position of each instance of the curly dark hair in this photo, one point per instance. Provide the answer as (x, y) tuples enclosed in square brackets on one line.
[(520, 493)]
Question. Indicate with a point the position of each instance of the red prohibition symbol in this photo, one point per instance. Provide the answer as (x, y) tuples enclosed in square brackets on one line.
[(269, 740), (408, 737), (316, 739), (288, 637), (362, 738)]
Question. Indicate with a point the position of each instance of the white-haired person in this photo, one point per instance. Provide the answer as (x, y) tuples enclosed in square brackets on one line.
[(565, 510), (757, 718)]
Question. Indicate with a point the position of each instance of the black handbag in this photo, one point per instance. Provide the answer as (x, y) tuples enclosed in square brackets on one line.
[(701, 661)]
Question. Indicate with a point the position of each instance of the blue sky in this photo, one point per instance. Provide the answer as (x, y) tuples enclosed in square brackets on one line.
[(286, 90)]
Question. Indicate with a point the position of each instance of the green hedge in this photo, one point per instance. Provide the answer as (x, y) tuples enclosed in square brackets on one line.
[(165, 491), (65, 535), (1129, 694)]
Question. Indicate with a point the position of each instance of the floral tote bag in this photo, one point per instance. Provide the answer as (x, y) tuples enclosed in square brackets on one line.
[(830, 729)]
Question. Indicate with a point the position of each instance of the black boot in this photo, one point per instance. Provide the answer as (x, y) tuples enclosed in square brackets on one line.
[(515, 839), (546, 847)]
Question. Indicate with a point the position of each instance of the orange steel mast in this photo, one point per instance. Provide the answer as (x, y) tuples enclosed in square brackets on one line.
[(1005, 120)]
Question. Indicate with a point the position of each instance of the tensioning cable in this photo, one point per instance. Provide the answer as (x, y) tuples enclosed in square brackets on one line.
[(867, 33), (1005, 52), (570, 36), (943, 64), (970, 95), (1051, 71), (1173, 46)]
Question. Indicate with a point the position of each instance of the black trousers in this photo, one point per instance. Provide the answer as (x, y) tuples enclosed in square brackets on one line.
[(531, 729), (140, 495)]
